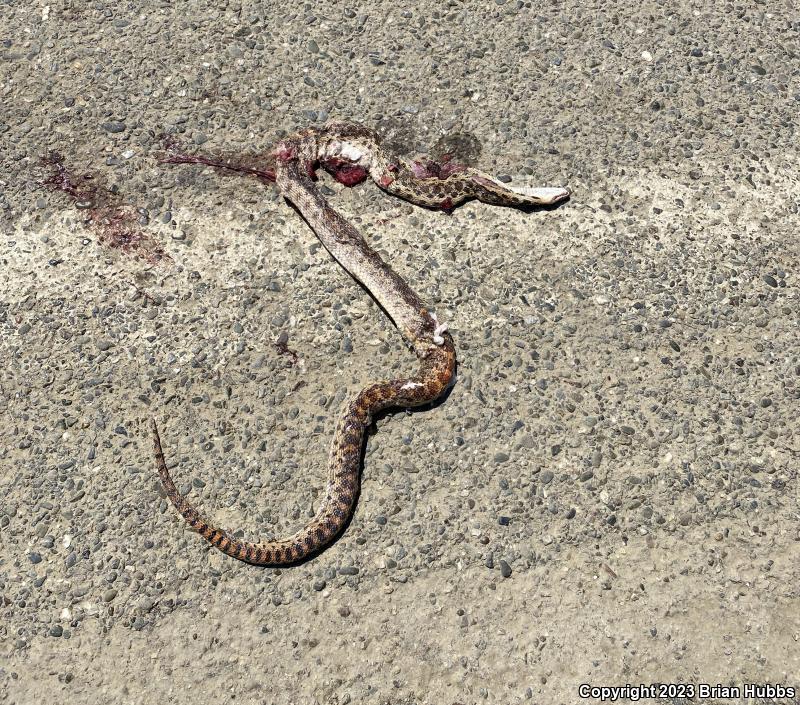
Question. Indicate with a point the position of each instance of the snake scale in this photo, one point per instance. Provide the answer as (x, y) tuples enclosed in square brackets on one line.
[(351, 153)]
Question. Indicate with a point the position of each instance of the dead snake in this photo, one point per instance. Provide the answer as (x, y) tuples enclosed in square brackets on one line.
[(351, 152)]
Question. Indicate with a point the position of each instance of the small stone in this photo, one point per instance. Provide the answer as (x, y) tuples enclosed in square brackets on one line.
[(109, 595), (56, 630), (500, 457), (319, 585), (34, 558), (114, 126), (145, 605), (546, 477), (505, 569), (769, 279), (344, 611)]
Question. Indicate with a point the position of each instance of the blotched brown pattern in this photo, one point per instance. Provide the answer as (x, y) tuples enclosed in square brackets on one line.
[(350, 153)]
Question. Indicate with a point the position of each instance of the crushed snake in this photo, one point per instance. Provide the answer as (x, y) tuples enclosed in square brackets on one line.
[(351, 153)]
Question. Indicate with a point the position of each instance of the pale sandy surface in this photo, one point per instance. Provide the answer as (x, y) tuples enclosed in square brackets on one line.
[(624, 431)]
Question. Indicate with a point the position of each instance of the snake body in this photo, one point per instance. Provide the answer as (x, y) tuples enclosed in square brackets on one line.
[(351, 153)]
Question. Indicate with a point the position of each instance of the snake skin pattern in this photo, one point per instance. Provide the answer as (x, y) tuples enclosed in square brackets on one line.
[(351, 153)]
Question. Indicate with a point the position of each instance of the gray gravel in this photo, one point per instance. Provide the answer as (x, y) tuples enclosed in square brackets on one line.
[(609, 494)]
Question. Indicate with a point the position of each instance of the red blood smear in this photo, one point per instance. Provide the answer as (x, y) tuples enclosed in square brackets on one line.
[(176, 158), (347, 174), (284, 153), (114, 222)]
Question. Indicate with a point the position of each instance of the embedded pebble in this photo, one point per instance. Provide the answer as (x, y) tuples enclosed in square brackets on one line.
[(114, 126)]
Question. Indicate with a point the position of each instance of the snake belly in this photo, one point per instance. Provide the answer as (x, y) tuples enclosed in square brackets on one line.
[(351, 152)]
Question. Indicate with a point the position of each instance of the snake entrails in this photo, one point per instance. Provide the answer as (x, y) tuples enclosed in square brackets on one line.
[(351, 152)]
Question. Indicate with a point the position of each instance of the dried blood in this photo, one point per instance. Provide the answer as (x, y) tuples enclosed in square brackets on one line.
[(345, 172)]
